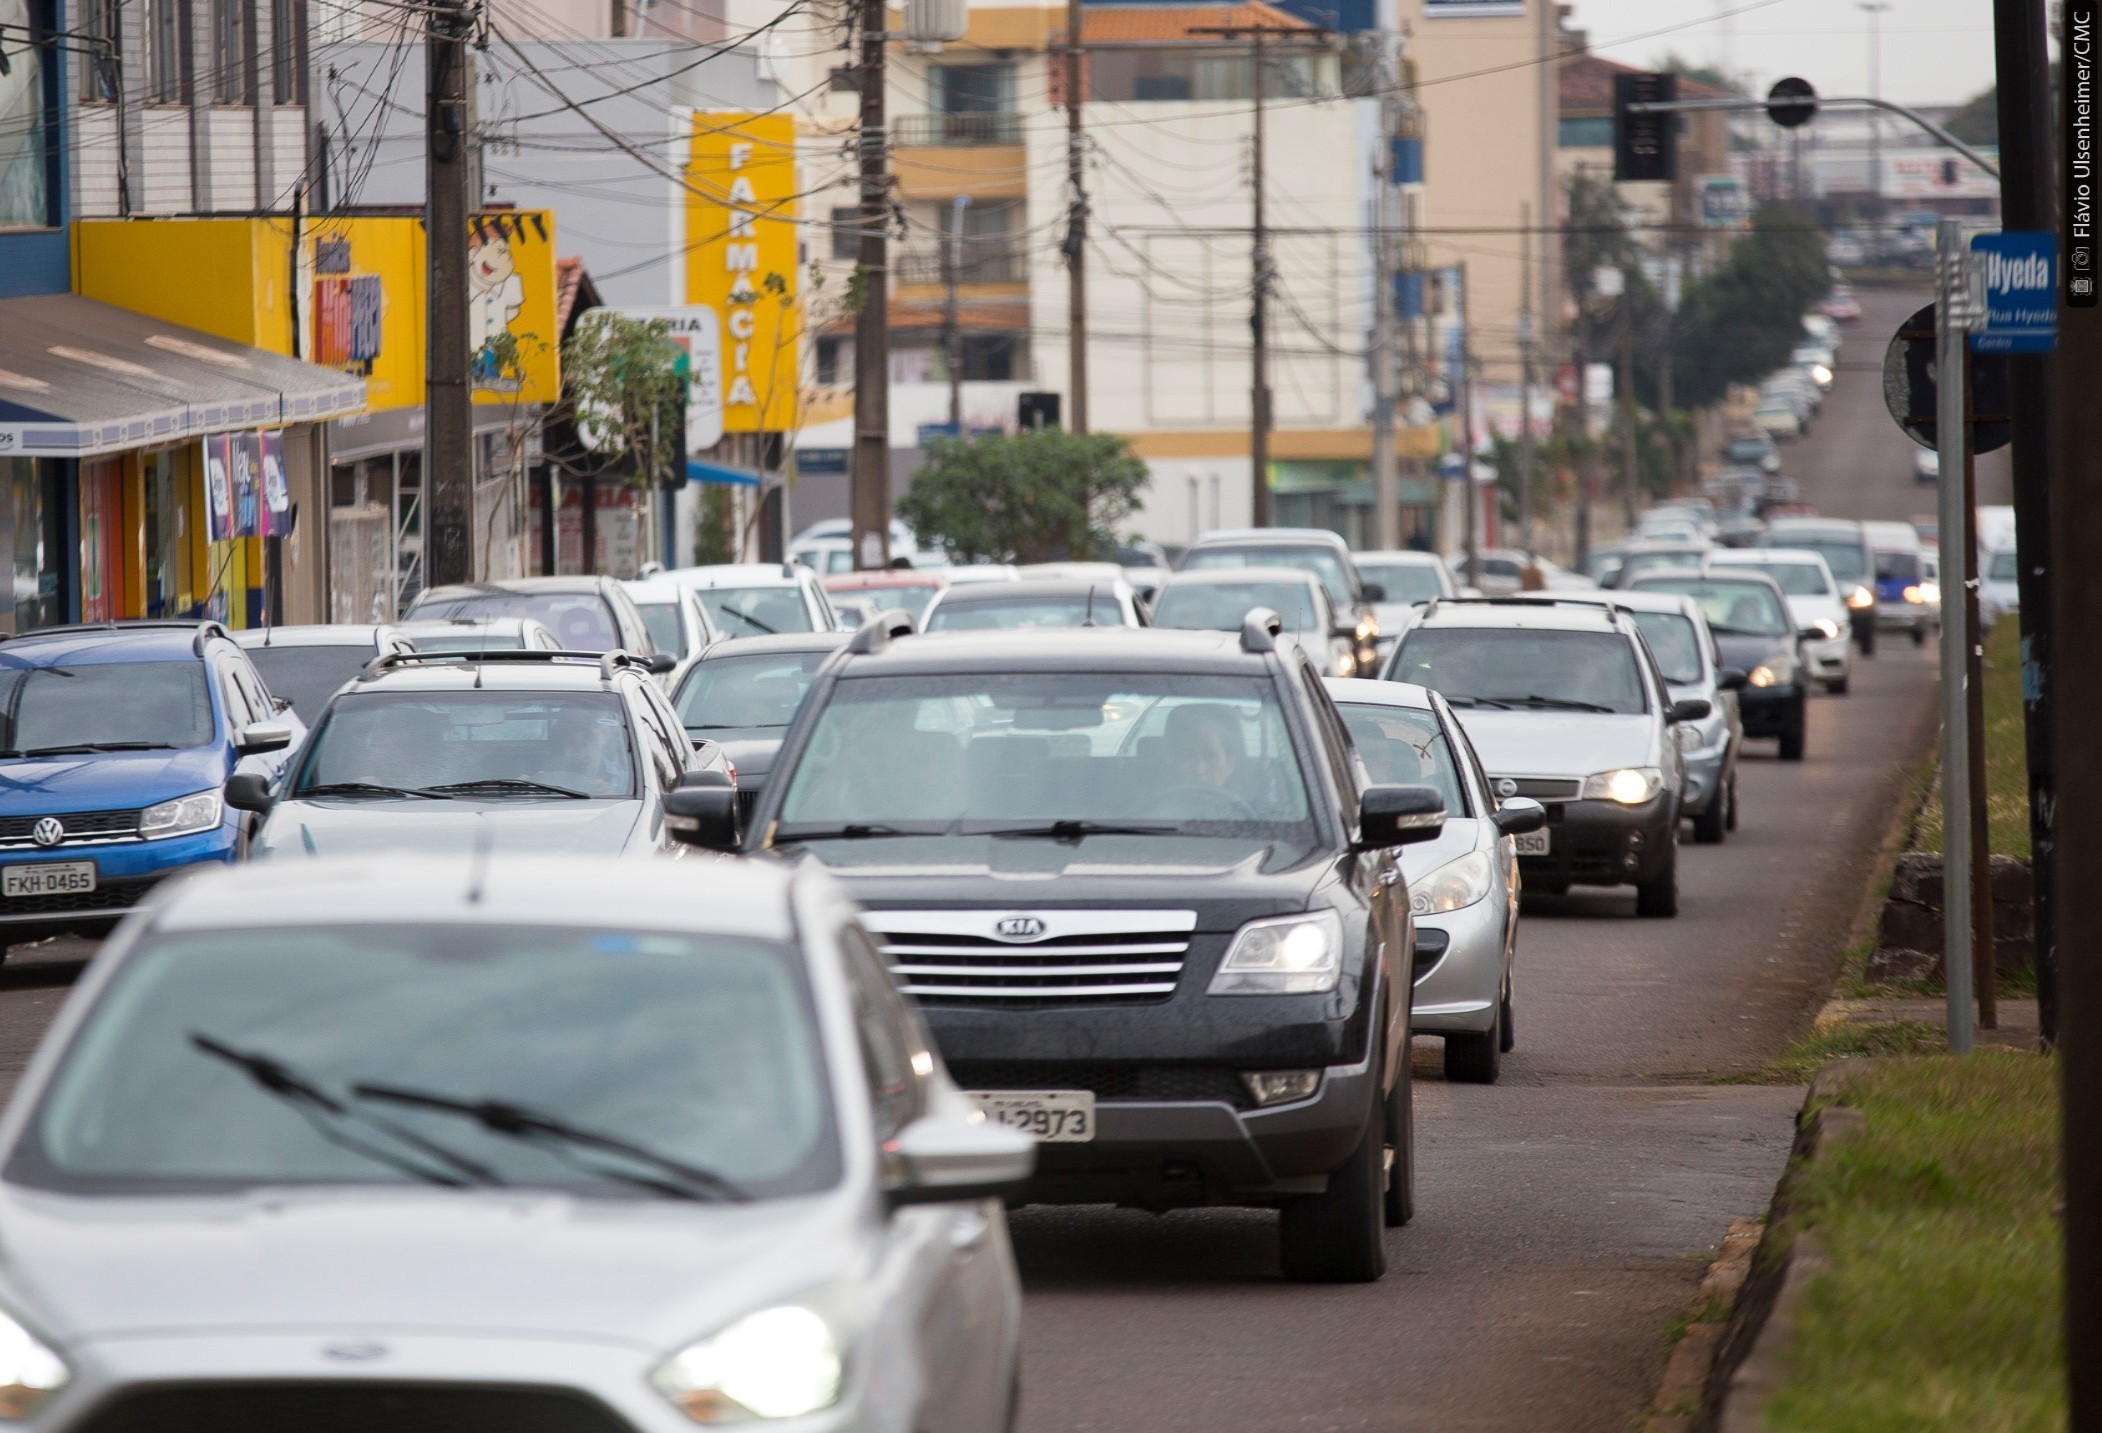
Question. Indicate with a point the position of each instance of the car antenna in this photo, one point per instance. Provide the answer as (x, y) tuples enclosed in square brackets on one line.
[(1090, 621), (478, 867)]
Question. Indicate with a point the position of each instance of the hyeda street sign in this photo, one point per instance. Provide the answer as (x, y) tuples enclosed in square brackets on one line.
[(2019, 272)]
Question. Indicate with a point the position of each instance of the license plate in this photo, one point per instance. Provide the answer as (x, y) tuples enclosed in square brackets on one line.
[(53, 878), (1047, 1116), (1533, 843)]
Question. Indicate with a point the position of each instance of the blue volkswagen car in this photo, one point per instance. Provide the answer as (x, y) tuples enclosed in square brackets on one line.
[(115, 743)]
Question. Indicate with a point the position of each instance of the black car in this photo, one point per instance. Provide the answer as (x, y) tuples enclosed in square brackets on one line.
[(1148, 901), (1749, 616), (743, 694)]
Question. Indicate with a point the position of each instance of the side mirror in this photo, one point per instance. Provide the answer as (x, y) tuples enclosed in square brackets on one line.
[(280, 704), (1690, 709), (247, 791), (1372, 592), (702, 811), (1518, 815), (262, 736), (1733, 679), (1399, 816), (940, 1159), (659, 663), (1810, 634)]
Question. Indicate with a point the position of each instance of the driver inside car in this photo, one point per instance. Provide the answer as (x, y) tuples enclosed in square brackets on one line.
[(1204, 745)]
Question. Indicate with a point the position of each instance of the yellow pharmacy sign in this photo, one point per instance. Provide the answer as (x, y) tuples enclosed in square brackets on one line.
[(740, 260)]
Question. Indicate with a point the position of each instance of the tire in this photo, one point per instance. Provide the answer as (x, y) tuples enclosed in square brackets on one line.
[(1792, 744), (1839, 687), (1398, 1204), (1476, 1059), (1507, 1024), (1339, 1235), (1919, 636), (1711, 825), (1658, 897), (1866, 640), (1733, 802)]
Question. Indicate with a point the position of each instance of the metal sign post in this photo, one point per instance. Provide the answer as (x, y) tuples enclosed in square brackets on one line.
[(1952, 435)]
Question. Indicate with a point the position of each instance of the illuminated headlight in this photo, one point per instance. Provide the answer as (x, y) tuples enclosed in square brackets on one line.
[(1451, 887), (1368, 627), (1861, 598), (1630, 786), (778, 1363), (1285, 955), (29, 1372), (184, 816), (1346, 663), (1930, 593), (1774, 672), (1914, 595), (1827, 627), (1821, 374)]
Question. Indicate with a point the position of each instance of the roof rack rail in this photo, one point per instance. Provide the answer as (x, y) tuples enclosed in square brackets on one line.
[(878, 632), (394, 661), (1260, 629), (1529, 599), (205, 629)]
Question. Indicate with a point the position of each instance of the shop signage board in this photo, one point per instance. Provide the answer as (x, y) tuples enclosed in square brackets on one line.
[(2019, 273), (739, 260), (698, 330)]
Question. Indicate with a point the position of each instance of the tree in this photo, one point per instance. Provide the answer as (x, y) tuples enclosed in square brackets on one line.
[(1742, 321), (1676, 64), (626, 380), (1039, 496), (1978, 122)]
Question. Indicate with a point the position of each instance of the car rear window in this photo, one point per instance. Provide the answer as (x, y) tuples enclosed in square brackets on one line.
[(1222, 606), (309, 676), (1320, 561), (1404, 581), (1795, 579), (581, 621), (1020, 612)]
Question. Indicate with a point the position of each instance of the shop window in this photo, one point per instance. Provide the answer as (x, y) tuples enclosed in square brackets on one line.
[(26, 188), (828, 362), (167, 52), (169, 583), (97, 57), (233, 51), (33, 516), (102, 540)]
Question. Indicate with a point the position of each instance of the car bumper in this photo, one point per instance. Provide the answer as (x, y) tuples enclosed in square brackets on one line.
[(1830, 659), (1904, 616), (1704, 776), (125, 874), (1770, 711), (1602, 843), (1460, 990)]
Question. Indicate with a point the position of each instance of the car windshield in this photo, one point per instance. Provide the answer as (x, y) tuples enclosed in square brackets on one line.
[(662, 620), (1844, 555), (1796, 579), (1898, 566), (483, 638), (1404, 747), (576, 742), (309, 676), (1734, 609), (1673, 642), (756, 611), (1748, 450), (1404, 581), (581, 621), (1083, 609), (1523, 669), (762, 690), (2005, 567), (701, 1049), (1221, 606), (1307, 557), (1637, 563), (146, 704), (982, 752)]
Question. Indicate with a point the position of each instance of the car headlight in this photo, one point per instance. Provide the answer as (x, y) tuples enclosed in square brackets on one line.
[(1774, 672), (1347, 662), (1453, 886), (29, 1371), (1861, 598), (183, 816), (1630, 786), (1368, 627), (1285, 955), (1827, 627), (781, 1362), (1913, 594), (1930, 593)]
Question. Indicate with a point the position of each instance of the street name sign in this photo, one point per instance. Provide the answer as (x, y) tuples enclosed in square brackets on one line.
[(2019, 271)]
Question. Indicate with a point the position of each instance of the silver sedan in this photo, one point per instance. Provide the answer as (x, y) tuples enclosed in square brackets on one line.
[(509, 1142), (1463, 887)]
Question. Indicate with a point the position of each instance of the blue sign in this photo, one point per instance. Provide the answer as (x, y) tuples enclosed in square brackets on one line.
[(2021, 292)]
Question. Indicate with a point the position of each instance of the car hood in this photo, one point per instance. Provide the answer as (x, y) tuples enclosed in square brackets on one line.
[(97, 781), (751, 752), (1226, 881), (655, 1273), (1551, 743), (330, 827)]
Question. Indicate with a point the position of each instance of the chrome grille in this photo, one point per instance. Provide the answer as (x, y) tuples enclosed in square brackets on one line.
[(1048, 955), (1540, 788), (83, 828)]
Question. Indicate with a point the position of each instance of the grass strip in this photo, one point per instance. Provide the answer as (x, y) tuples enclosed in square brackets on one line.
[(2006, 752), (1940, 1308), (1841, 1040)]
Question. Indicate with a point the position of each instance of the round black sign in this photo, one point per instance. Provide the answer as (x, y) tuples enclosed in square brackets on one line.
[(1791, 102), (1910, 392)]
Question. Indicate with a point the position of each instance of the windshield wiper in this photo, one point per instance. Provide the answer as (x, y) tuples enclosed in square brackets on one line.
[(752, 622), (1534, 699), (508, 783), (73, 748), (366, 788), (853, 831), (685, 1181), (327, 1115), (1722, 629), (1074, 830), (737, 726)]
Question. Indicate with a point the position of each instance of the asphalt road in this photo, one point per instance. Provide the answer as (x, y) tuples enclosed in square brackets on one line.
[(1563, 1214)]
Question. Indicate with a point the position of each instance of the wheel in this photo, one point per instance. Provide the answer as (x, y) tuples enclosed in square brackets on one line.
[(1792, 743), (1866, 639), (1398, 1205), (1838, 687), (1476, 1059), (1658, 897), (1919, 636), (1507, 1024), (1339, 1235), (1710, 826), (1733, 802)]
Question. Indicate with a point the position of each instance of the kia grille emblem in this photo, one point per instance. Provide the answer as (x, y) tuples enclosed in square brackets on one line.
[(48, 832), (1507, 787), (1019, 928)]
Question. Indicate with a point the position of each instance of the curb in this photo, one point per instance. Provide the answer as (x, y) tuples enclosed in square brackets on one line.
[(1679, 1395)]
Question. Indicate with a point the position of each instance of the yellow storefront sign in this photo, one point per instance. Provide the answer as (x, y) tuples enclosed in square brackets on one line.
[(740, 252)]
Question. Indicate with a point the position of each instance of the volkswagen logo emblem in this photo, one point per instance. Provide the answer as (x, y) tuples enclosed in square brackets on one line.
[(1506, 787), (1018, 928), (48, 832)]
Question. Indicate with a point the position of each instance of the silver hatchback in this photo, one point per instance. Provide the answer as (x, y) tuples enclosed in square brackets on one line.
[(501, 1143)]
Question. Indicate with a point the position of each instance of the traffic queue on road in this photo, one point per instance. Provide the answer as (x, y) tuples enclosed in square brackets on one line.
[(421, 1100)]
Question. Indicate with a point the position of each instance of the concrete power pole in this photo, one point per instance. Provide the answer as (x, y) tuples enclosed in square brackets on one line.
[(952, 328), (869, 500), (1076, 224), (1463, 401), (1386, 485), (448, 447), (1630, 457), (1259, 318), (1526, 339)]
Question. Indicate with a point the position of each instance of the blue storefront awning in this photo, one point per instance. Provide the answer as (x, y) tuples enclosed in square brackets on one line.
[(700, 472)]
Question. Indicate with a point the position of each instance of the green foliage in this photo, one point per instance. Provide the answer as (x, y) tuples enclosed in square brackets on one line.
[(1040, 496), (626, 380), (1978, 122), (1676, 64), (2006, 747), (1742, 321), (714, 538)]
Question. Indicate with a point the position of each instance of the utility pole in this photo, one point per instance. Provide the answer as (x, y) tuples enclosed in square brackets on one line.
[(448, 446), (1463, 400), (952, 330), (1386, 487), (870, 497), (1076, 224), (1630, 465), (2027, 201), (1952, 437), (1874, 10), (1525, 379), (1587, 459)]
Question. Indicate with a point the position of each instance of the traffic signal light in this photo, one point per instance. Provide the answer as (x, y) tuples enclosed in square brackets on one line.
[(1645, 146)]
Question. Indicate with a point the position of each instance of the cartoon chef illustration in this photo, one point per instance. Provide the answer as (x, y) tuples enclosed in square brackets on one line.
[(495, 295)]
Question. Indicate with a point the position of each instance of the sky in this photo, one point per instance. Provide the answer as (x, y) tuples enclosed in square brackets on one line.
[(1933, 51)]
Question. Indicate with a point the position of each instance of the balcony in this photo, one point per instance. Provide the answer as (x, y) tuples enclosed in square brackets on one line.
[(997, 261), (959, 130)]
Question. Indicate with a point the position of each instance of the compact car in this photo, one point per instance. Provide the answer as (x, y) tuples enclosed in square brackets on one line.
[(678, 623), (758, 599), (741, 695), (1755, 634), (305, 664), (1814, 604), (479, 634), (1035, 602), (586, 614), (1845, 548), (1219, 599)]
